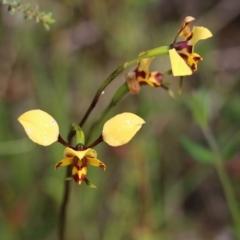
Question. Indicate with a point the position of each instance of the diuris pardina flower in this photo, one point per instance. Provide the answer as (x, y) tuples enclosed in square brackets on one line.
[(182, 56), (43, 129), (80, 160), (142, 76)]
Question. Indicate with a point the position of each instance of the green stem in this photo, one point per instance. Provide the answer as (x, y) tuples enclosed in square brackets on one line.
[(151, 53), (63, 208), (120, 93), (99, 92), (225, 180), (65, 200)]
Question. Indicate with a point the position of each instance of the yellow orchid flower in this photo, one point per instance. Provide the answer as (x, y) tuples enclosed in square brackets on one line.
[(80, 159), (43, 129), (142, 76), (182, 56)]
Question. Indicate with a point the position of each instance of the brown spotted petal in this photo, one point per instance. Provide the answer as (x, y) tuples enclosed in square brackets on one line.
[(79, 171), (95, 162), (154, 79), (191, 60), (64, 162)]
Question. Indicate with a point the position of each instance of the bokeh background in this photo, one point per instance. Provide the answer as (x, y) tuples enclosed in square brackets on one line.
[(164, 184)]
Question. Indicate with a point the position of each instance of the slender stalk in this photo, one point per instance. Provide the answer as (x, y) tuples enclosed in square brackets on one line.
[(99, 92), (224, 179), (63, 208), (65, 199), (62, 141), (97, 96)]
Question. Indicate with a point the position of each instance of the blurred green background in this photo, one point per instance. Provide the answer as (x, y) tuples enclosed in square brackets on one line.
[(164, 183)]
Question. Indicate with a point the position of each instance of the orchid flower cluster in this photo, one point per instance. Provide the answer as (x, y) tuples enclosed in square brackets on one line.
[(183, 59), (43, 129)]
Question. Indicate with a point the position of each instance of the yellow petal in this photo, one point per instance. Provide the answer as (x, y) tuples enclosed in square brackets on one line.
[(179, 66), (199, 33), (193, 60), (64, 162), (154, 79), (96, 163), (144, 64), (69, 152), (40, 127), (121, 128)]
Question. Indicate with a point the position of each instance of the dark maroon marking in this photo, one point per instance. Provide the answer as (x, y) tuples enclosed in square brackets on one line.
[(196, 59), (189, 37), (142, 83), (58, 165), (141, 74), (189, 49), (83, 164), (84, 161), (78, 167), (76, 178), (158, 77), (184, 56), (179, 46), (83, 176), (101, 165), (193, 67), (75, 160)]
